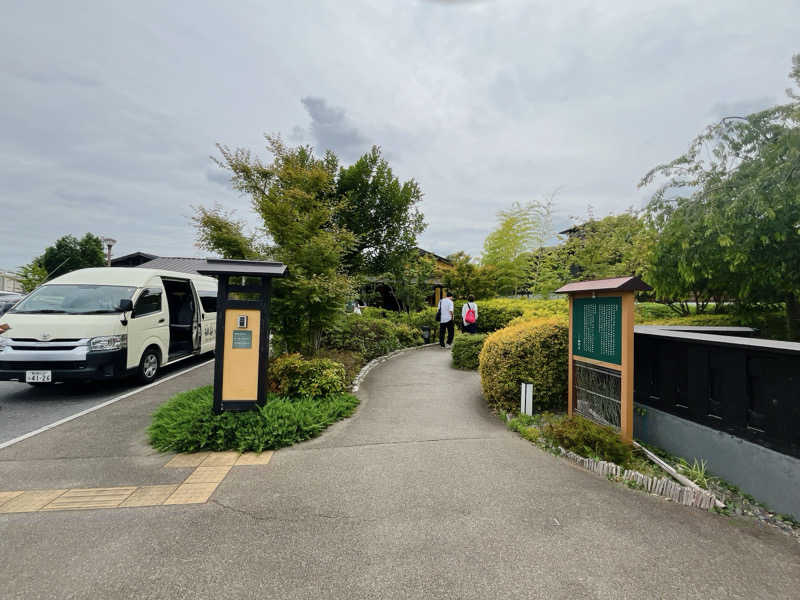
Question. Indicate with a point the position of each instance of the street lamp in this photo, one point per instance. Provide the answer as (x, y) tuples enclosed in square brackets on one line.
[(108, 243)]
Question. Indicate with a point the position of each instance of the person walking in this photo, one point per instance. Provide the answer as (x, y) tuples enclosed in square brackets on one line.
[(446, 322), (469, 315)]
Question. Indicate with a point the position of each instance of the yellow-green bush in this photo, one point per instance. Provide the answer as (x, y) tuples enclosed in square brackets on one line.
[(531, 351), (295, 376)]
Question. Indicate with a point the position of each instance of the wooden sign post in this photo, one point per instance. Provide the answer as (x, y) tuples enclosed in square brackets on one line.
[(242, 351), (600, 376)]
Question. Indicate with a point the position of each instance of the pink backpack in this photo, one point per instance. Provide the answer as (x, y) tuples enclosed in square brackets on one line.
[(470, 316)]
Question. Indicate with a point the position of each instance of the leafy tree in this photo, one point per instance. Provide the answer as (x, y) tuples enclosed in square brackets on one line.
[(381, 211), (295, 196), (218, 232), (466, 277), (409, 280), (508, 248), (615, 246), (70, 253), (686, 262), (742, 174), (549, 270), (32, 276)]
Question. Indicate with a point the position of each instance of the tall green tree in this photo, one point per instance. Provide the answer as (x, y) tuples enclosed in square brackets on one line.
[(522, 229), (219, 232), (614, 246), (69, 253), (295, 197), (32, 276), (742, 174), (409, 279), (381, 211)]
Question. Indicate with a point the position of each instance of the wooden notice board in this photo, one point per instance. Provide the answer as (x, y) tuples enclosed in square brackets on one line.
[(597, 328)]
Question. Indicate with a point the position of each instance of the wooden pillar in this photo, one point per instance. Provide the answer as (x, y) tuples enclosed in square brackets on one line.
[(626, 381), (570, 365)]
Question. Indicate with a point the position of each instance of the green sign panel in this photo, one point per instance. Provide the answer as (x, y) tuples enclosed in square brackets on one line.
[(597, 329), (242, 338)]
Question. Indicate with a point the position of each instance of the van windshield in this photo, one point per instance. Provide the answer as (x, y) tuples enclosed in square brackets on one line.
[(75, 299)]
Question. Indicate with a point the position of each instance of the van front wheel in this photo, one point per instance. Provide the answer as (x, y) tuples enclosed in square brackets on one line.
[(148, 367)]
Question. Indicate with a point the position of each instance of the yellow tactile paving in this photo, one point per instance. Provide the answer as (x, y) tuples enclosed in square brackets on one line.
[(6, 496), (192, 493), (30, 501), (83, 498), (149, 495), (208, 475), (251, 458), (210, 468), (220, 459), (182, 461)]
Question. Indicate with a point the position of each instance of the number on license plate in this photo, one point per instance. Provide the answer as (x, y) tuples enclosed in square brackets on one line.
[(38, 376)]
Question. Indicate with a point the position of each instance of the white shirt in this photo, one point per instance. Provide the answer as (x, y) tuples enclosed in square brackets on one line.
[(464, 310), (446, 306)]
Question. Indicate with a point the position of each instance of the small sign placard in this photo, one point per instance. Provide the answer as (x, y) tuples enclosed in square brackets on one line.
[(243, 338)]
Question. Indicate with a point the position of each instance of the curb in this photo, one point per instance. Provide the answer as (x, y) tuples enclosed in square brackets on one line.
[(659, 486), (380, 360)]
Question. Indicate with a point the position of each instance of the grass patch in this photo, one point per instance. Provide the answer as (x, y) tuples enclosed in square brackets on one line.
[(185, 423)]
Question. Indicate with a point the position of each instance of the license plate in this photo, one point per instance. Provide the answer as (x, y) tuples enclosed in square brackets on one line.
[(38, 376)]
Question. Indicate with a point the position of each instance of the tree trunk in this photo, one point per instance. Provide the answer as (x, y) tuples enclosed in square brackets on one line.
[(792, 316)]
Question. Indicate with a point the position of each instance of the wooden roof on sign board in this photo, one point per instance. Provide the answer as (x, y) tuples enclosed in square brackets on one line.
[(615, 284), (254, 268)]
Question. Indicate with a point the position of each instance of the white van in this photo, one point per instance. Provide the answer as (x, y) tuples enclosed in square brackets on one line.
[(106, 323)]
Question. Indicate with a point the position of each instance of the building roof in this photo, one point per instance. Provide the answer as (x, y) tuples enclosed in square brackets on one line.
[(143, 256), (175, 263), (257, 268), (435, 256), (616, 284)]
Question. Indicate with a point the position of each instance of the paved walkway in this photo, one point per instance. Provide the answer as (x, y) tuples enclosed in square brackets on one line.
[(422, 494)]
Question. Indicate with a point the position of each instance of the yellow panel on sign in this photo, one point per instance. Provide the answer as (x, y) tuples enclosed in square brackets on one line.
[(240, 362)]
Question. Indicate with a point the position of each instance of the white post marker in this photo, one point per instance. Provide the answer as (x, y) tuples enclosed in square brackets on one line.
[(526, 398)]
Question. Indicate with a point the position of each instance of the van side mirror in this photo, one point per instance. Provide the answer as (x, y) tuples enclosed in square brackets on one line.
[(126, 305)]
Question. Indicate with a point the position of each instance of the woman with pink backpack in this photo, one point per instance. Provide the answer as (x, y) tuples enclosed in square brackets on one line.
[(469, 314)]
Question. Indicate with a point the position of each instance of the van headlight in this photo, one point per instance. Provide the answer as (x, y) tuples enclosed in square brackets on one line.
[(109, 342), (4, 341)]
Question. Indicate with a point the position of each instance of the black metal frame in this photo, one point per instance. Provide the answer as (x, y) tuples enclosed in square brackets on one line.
[(224, 302)]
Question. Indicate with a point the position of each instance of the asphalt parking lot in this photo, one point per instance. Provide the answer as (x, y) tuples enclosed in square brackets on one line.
[(25, 408)]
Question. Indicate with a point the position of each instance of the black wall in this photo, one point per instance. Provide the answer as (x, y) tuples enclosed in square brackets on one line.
[(750, 391)]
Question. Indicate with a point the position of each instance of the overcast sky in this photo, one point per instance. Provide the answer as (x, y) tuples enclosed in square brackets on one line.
[(109, 110)]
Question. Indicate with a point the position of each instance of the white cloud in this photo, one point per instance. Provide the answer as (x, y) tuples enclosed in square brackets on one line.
[(110, 112)]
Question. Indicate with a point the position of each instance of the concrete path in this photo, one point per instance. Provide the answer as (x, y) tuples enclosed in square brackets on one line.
[(422, 494)]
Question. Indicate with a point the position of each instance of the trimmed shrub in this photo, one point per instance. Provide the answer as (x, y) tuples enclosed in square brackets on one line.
[(426, 316), (352, 361), (532, 351), (466, 349), (295, 376), (185, 423), (369, 336), (490, 317), (588, 439)]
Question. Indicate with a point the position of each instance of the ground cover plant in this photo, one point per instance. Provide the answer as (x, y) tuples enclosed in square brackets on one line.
[(186, 423), (466, 349)]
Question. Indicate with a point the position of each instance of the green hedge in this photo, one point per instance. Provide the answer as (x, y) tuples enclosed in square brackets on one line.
[(292, 375), (371, 337), (490, 318), (533, 352), (185, 423), (466, 349)]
